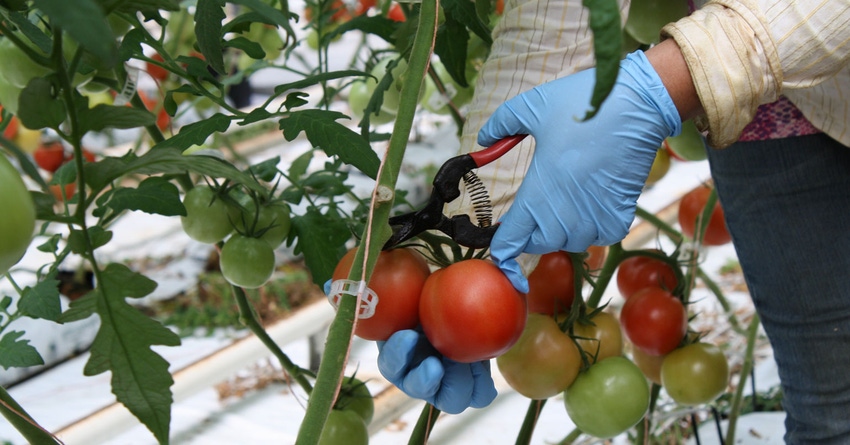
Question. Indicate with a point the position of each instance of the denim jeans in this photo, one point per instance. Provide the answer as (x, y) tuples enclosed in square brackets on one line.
[(787, 205)]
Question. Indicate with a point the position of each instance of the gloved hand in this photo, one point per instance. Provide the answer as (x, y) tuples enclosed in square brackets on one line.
[(585, 177), (409, 362)]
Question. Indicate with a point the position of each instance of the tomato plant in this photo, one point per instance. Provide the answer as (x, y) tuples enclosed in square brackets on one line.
[(246, 261), (599, 336), (550, 284), (18, 223), (650, 365), (397, 280), (344, 427), (654, 321), (355, 396), (695, 374), (608, 399), (690, 212), (543, 362), (470, 311), (207, 218), (50, 156), (640, 271)]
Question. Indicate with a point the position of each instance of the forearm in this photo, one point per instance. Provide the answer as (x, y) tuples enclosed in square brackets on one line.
[(667, 59)]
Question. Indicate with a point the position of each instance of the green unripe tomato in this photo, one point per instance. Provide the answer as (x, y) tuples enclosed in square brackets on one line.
[(246, 262), (18, 223), (206, 218)]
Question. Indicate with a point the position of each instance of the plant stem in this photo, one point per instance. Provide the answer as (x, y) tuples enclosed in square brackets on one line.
[(530, 421), (735, 409), (18, 417), (249, 319), (424, 425), (615, 256), (724, 303), (329, 376)]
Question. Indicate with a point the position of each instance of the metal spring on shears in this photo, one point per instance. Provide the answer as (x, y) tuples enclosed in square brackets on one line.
[(481, 204)]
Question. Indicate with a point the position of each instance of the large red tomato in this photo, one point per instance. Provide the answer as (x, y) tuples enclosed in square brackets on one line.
[(543, 362), (654, 321), (690, 209), (550, 284), (470, 311), (397, 280), (638, 272)]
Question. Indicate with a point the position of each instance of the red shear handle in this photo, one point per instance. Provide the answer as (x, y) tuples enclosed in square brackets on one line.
[(497, 150)]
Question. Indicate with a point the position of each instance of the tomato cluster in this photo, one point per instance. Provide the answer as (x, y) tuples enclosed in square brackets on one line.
[(247, 256)]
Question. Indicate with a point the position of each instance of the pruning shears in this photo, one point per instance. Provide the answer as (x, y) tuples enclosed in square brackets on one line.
[(446, 188)]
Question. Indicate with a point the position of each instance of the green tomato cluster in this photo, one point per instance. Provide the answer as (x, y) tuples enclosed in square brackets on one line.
[(247, 256), (353, 411)]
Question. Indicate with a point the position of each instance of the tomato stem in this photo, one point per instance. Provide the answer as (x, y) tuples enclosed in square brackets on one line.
[(746, 367), (530, 421), (424, 425)]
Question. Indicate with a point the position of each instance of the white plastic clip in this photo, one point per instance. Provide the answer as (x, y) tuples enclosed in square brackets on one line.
[(368, 297)]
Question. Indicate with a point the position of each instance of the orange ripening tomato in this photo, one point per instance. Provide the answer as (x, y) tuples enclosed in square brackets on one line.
[(69, 189), (11, 129), (163, 120), (690, 209)]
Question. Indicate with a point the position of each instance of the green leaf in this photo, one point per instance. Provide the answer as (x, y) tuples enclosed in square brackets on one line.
[(607, 47), (80, 309), (333, 138), (132, 6), (42, 300), (140, 377), (315, 80), (131, 44), (196, 133), (253, 49), (16, 353), (256, 115), (266, 170), (98, 236), (86, 23), (276, 16), (322, 241), (154, 195), (38, 107), (378, 25), (451, 45), (208, 17), (66, 174), (295, 100), (34, 33), (104, 116), (464, 12), (299, 166), (165, 161)]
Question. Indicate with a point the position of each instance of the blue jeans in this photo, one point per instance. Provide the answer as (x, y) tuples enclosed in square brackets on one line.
[(787, 205)]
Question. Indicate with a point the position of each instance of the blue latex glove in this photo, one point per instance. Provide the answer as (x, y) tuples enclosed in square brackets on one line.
[(409, 362), (584, 179)]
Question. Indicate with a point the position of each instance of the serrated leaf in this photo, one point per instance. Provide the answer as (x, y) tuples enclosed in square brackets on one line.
[(295, 100), (607, 46), (464, 12), (378, 25), (80, 309), (333, 138), (208, 17), (253, 49), (276, 16), (299, 166), (34, 33), (164, 161), (97, 237), (104, 116), (196, 133), (256, 115), (322, 242), (16, 353), (86, 23), (38, 108), (266, 170), (315, 80), (131, 44), (450, 46), (42, 300), (155, 195), (140, 377)]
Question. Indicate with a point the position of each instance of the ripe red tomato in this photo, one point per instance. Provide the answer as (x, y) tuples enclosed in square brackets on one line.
[(550, 284), (543, 362), (397, 280), (602, 339), (396, 14), (157, 72), (49, 156), (638, 272), (609, 398), (595, 258), (470, 311), (654, 321), (68, 189), (695, 374), (690, 209), (11, 129)]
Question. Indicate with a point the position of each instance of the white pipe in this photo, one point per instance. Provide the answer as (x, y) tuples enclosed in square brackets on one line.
[(112, 420)]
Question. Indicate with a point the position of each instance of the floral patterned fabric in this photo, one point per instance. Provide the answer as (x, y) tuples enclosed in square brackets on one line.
[(777, 120)]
